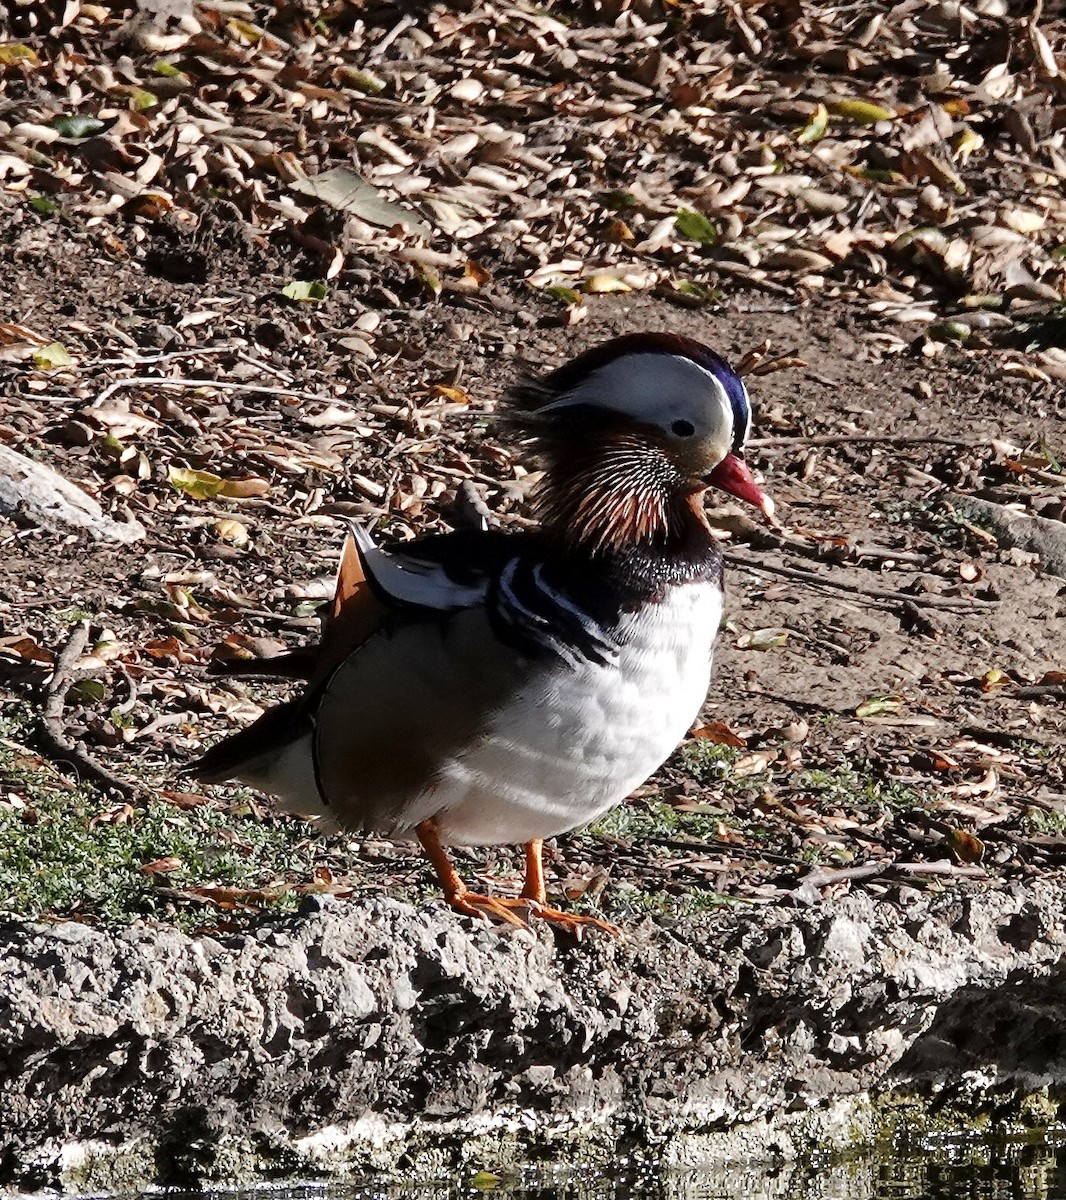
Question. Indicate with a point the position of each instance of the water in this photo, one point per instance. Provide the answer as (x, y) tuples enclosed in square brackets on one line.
[(949, 1169)]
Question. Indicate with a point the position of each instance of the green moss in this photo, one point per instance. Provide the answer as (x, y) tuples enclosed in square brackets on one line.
[(637, 819), (953, 529), (856, 785), (68, 850), (713, 766), (629, 904), (1041, 820)]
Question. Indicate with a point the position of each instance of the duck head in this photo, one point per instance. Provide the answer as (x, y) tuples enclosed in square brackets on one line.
[(631, 432)]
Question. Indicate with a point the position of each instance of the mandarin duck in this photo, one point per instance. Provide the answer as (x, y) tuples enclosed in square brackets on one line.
[(485, 686)]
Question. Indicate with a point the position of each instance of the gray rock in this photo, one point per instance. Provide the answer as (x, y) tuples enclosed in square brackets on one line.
[(1035, 535), (373, 1036), (35, 492)]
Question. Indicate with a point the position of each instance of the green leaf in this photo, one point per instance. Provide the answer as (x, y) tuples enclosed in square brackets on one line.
[(762, 639), (876, 174), (12, 54), (363, 81), (245, 30), (87, 691), (198, 485), (862, 112), (76, 126), (877, 705), (43, 205), (815, 127), (696, 227), (430, 279), (52, 356), (619, 201), (142, 100), (695, 294), (949, 331), (603, 282), (304, 290), (989, 300), (168, 70), (486, 1181), (565, 294)]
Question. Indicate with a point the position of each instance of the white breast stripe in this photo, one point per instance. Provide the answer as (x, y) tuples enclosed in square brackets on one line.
[(593, 631), (541, 627)]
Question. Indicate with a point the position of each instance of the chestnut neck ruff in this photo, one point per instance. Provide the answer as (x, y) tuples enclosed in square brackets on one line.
[(615, 500)]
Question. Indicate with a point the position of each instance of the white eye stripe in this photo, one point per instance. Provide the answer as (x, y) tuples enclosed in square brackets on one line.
[(727, 404), (659, 389)]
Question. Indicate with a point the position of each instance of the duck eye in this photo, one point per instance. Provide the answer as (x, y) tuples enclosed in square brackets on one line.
[(683, 428)]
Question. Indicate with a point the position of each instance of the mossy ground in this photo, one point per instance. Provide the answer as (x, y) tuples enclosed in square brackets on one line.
[(706, 834), (68, 850)]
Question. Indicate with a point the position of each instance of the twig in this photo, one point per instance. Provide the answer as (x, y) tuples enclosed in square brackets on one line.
[(52, 735), (151, 359), (887, 554), (825, 878), (290, 664), (942, 867), (737, 271), (868, 439), (164, 721), (807, 892), (797, 702), (760, 538), (221, 385), (284, 376), (838, 654), (709, 843), (1041, 690), (963, 604)]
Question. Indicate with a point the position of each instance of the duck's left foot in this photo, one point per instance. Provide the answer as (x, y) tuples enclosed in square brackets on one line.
[(512, 910), (474, 904), (571, 922)]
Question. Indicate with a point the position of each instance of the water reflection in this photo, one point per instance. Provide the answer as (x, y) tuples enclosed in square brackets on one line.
[(951, 1169)]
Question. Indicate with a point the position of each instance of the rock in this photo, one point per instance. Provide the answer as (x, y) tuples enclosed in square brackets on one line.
[(37, 493), (1036, 535), (374, 1036)]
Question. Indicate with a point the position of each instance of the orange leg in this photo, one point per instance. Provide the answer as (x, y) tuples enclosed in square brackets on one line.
[(455, 891), (534, 889), (536, 896), (533, 899)]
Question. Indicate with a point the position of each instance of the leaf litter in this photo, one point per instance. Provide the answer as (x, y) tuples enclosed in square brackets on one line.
[(269, 265)]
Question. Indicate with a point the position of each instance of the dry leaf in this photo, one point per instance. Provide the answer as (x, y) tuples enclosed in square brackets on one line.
[(964, 847), (719, 733), (162, 866)]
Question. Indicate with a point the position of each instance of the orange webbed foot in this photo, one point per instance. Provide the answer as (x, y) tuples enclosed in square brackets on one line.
[(571, 922), (517, 910), (473, 904), (531, 903)]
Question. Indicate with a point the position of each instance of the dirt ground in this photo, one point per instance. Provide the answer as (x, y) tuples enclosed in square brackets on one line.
[(888, 699)]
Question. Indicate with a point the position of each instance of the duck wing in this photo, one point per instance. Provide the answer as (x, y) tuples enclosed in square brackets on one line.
[(376, 589)]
